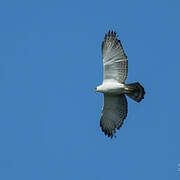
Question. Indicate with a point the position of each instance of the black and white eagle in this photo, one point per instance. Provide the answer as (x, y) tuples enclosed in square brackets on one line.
[(114, 88)]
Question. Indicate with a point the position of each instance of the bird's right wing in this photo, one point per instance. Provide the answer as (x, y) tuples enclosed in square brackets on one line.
[(114, 59), (113, 114)]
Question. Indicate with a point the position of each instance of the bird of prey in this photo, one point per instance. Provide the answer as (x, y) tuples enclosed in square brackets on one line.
[(114, 88)]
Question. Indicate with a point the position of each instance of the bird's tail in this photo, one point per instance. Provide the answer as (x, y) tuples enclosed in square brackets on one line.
[(135, 91)]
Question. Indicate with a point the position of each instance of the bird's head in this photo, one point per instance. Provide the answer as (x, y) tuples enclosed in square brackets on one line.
[(98, 89)]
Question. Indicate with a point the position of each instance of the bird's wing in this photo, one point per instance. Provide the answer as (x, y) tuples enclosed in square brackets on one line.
[(113, 114), (114, 59)]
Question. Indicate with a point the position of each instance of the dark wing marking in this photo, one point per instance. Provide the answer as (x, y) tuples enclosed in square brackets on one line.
[(113, 114)]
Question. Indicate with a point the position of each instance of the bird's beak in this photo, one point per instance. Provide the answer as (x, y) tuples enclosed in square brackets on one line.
[(95, 90)]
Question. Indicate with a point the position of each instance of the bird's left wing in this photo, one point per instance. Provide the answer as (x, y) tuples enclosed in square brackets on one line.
[(113, 114), (114, 59)]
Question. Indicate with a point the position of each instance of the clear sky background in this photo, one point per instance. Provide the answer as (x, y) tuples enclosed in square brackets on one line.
[(50, 62)]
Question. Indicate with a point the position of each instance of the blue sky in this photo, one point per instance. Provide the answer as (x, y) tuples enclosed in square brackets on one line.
[(50, 62)]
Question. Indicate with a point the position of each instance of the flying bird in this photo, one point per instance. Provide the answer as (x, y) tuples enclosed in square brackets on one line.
[(114, 88)]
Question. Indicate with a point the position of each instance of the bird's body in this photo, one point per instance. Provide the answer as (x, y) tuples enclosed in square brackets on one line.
[(114, 88)]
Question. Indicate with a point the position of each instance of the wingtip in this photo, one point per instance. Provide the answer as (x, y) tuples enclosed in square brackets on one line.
[(111, 38), (111, 34), (109, 133)]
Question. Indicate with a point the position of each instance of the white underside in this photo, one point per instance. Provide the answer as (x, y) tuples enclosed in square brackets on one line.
[(111, 88)]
